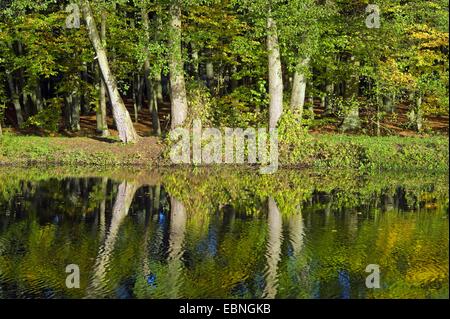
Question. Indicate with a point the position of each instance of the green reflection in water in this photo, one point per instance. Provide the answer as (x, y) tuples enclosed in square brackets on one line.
[(223, 234)]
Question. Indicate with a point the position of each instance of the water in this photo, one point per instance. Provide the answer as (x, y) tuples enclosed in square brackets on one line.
[(223, 234)]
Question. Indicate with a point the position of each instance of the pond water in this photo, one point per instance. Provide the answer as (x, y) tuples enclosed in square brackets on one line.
[(223, 235)]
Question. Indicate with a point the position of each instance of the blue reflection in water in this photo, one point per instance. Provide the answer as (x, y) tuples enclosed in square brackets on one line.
[(162, 218), (151, 280), (344, 282)]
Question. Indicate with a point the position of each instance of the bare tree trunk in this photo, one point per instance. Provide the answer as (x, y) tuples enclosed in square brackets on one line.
[(1, 132), (102, 124), (329, 89), (151, 88), (15, 98), (299, 87), (275, 74), (159, 88), (273, 249), (195, 62), (209, 73), (352, 120), (177, 82), (139, 91), (127, 133), (135, 97), (36, 96), (419, 113), (72, 110)]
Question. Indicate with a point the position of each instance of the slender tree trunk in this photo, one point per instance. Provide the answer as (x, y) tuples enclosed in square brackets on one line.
[(15, 98), (352, 120), (275, 74), (159, 88), (72, 110), (419, 113), (388, 104), (36, 96), (139, 91), (177, 82), (329, 91), (1, 132), (195, 62), (378, 116), (299, 87), (234, 82), (85, 107), (122, 118), (102, 124), (135, 97), (209, 73), (310, 102), (151, 88)]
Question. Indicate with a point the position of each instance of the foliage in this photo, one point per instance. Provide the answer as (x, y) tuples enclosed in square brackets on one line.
[(47, 119)]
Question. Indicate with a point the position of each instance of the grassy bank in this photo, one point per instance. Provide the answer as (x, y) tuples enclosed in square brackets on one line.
[(313, 151)]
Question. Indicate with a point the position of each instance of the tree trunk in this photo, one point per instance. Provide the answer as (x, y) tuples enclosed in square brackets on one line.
[(329, 91), (102, 124), (388, 104), (15, 98), (135, 97), (419, 113), (209, 73), (122, 118), (72, 110), (275, 74), (177, 82), (139, 91), (195, 62), (299, 88), (85, 107), (352, 120), (159, 88), (151, 88), (36, 96)]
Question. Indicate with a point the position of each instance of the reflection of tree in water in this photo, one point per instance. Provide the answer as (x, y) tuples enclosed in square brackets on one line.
[(273, 254), (327, 242), (121, 206), (176, 239)]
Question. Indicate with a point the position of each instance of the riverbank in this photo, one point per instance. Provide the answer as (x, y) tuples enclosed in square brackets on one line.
[(313, 151)]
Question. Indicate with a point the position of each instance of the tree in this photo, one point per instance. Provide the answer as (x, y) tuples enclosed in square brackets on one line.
[(122, 118), (149, 81), (275, 72), (102, 124), (177, 82)]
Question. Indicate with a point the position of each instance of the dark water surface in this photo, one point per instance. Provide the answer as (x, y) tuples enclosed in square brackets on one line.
[(233, 235)]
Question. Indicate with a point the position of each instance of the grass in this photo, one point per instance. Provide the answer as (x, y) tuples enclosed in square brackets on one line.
[(315, 151), (367, 153)]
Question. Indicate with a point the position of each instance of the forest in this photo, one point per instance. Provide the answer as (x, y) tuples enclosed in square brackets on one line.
[(123, 69)]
